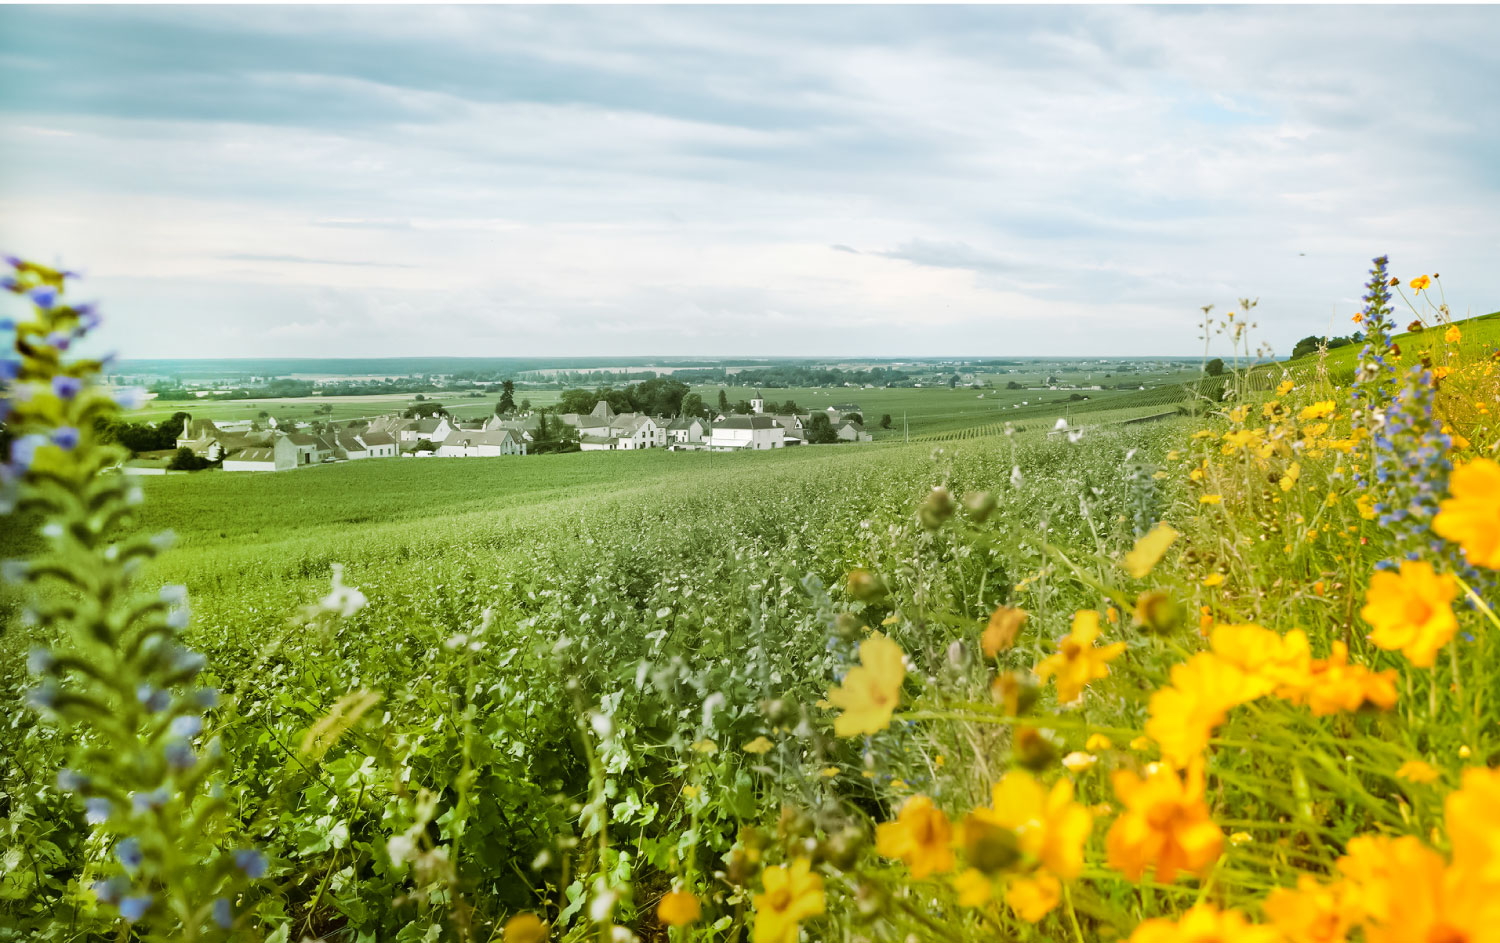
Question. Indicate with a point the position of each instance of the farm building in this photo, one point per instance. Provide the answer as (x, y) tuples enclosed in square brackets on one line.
[(282, 456), (465, 444), (746, 432)]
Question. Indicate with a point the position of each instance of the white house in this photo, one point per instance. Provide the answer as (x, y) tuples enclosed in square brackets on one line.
[(311, 450), (378, 444), (746, 432), (434, 429), (283, 455), (852, 431), (639, 432), (598, 443), (686, 431), (463, 443)]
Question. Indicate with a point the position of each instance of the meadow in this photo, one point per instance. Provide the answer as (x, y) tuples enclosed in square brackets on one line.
[(1226, 676)]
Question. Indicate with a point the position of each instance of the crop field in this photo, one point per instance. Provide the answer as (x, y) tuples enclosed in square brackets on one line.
[(1227, 675)]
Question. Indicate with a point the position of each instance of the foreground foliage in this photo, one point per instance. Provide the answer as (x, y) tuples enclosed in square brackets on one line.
[(1232, 680)]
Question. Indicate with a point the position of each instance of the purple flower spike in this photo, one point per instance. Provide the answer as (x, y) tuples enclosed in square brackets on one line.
[(65, 438), (14, 261), (97, 810), (58, 339), (9, 283), (250, 861), (66, 387), (44, 297), (23, 450), (112, 890), (9, 369), (130, 855), (223, 913)]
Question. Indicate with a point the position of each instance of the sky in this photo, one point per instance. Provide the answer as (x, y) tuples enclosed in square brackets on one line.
[(745, 181)]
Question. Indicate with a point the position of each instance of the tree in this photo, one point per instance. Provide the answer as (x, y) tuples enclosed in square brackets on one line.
[(885, 421), (854, 417), (723, 402), (1214, 368), (507, 404), (525, 405), (693, 407), (820, 431), (185, 460), (953, 382), (743, 407), (1013, 385)]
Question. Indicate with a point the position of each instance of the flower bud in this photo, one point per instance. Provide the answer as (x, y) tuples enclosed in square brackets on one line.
[(1158, 613), (980, 505), (938, 507)]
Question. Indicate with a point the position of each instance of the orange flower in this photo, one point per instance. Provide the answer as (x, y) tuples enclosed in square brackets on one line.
[(1204, 923), (920, 836), (1165, 824), (1416, 771), (1335, 685), (871, 690), (1313, 913), (1049, 828), (792, 894), (1470, 516), (1420, 282), (1032, 898), (1183, 715), (1453, 334), (525, 928), (678, 909), (1473, 817), (1000, 634), (1411, 611), (1078, 660)]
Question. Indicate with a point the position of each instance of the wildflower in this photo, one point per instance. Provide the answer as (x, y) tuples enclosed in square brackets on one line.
[(1079, 761), (1453, 335), (1204, 923), (792, 894), (1183, 715), (1285, 387), (1032, 898), (1319, 410), (44, 297), (1047, 825), (1312, 913), (1411, 611), (1335, 685), (147, 801), (1473, 816), (921, 837), (1365, 505), (1404, 891), (1000, 634), (134, 907), (758, 746), (1078, 660), (96, 810), (1148, 550), (525, 928), (1166, 824), (678, 909), (1213, 579), (186, 725), (1210, 499), (1470, 515), (130, 855), (1098, 741), (871, 690), (1271, 662), (66, 387), (1289, 478), (1420, 282), (250, 861), (1416, 771), (223, 913), (974, 889)]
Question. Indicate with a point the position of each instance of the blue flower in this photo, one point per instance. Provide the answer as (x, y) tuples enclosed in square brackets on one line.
[(112, 890), (207, 698), (146, 801), (44, 297), (59, 339), (173, 593), (10, 283), (179, 754), (134, 908), (66, 387), (14, 261), (250, 861), (9, 369), (65, 438), (23, 450), (223, 913), (71, 780), (39, 661), (187, 725), (130, 855), (154, 699), (97, 809), (43, 696)]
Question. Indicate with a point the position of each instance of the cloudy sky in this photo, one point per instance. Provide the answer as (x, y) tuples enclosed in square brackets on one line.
[(370, 181)]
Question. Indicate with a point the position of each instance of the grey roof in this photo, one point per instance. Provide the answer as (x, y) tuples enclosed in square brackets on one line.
[(253, 455), (598, 439), (377, 438), (302, 438), (748, 422), (471, 438), (425, 426), (602, 410)]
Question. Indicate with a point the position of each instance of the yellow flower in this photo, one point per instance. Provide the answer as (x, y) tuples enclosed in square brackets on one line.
[(1098, 741), (1285, 387), (1420, 282), (525, 928), (691, 791), (758, 746), (1210, 499), (1411, 611), (1290, 476), (1313, 913), (1165, 824), (1453, 334), (678, 909), (920, 836), (1473, 816), (1365, 505), (1470, 516), (1149, 549), (1078, 660), (1319, 410), (1271, 662), (1032, 898), (792, 894), (705, 746), (871, 690), (1047, 825), (1140, 744), (1404, 892), (1359, 317), (1183, 714), (974, 889), (1335, 685), (1213, 579), (828, 772), (1000, 634), (1204, 923), (1416, 771)]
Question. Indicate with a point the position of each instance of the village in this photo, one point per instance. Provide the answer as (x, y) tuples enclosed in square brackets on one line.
[(254, 446)]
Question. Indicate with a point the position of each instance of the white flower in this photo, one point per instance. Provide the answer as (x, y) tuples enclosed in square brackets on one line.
[(343, 600)]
